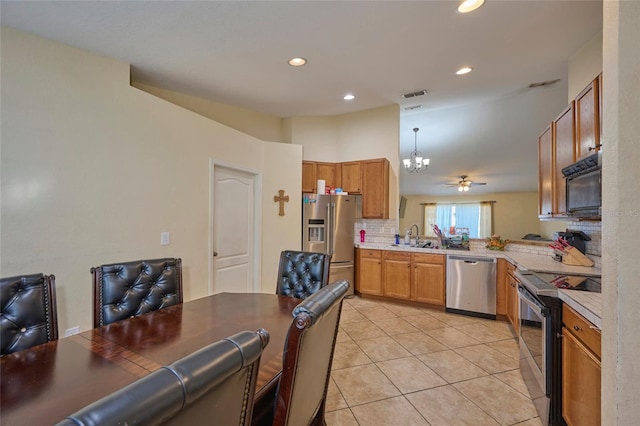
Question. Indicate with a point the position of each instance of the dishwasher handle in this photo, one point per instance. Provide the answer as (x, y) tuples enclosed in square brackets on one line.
[(472, 260)]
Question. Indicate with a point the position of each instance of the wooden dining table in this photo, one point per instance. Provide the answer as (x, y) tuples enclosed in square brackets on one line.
[(44, 384)]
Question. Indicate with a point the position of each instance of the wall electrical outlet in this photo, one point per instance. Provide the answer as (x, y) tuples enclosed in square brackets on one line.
[(71, 331), (164, 238)]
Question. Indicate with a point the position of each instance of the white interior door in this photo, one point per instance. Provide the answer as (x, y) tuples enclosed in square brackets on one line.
[(233, 230)]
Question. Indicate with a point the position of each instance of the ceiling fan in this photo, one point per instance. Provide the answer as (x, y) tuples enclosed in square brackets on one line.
[(463, 184)]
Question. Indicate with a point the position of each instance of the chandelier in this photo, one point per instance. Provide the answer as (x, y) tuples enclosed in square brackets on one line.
[(415, 162)]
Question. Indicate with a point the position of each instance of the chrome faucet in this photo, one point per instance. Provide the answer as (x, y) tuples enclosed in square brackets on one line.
[(417, 233)]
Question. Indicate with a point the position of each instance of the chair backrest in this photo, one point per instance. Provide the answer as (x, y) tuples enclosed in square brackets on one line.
[(128, 289), (301, 273), (308, 355), (214, 385), (28, 315)]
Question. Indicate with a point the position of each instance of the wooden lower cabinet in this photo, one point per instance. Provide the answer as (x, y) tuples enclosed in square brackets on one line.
[(512, 297), (501, 287), (428, 278), (369, 272), (417, 277), (396, 269), (581, 370)]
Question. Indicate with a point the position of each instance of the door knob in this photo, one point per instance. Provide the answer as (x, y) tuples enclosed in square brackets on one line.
[(215, 253)]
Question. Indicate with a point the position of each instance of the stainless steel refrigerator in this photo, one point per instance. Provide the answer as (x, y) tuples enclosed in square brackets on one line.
[(327, 227)]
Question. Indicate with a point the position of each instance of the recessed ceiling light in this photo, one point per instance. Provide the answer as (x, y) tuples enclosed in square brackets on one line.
[(464, 70), (469, 5), (349, 97), (297, 62)]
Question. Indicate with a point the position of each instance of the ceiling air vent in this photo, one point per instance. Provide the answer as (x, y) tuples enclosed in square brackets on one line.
[(411, 108), (544, 83), (414, 94)]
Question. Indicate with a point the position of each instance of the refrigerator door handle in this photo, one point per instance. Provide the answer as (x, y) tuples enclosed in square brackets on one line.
[(332, 232), (329, 230)]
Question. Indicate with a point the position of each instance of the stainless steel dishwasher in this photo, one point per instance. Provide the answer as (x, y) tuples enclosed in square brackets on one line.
[(471, 285)]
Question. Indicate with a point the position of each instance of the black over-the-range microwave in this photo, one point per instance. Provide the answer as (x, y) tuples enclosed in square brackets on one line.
[(584, 187)]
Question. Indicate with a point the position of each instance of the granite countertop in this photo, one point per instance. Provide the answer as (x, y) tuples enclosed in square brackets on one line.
[(589, 305)]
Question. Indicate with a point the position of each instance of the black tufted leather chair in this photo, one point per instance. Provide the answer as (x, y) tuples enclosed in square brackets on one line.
[(124, 290), (214, 385), (301, 273), (307, 360), (28, 315)]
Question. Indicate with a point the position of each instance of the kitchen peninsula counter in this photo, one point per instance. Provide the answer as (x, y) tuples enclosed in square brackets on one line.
[(587, 304)]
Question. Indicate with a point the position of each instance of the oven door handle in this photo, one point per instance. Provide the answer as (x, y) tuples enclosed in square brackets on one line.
[(526, 297)]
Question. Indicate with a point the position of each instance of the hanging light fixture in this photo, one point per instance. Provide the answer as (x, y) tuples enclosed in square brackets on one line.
[(415, 162)]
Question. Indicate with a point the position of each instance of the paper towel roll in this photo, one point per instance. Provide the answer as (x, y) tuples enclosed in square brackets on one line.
[(320, 185)]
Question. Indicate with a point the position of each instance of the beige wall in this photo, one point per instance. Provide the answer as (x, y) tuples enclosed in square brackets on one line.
[(318, 137), (362, 135), (261, 126), (515, 214), (87, 161), (621, 209), (584, 66)]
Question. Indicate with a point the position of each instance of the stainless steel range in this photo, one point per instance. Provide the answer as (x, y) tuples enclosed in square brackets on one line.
[(540, 337)]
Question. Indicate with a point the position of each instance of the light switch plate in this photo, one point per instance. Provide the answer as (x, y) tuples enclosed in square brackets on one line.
[(164, 238)]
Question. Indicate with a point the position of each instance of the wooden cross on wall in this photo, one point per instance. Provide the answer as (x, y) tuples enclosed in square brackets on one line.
[(281, 198)]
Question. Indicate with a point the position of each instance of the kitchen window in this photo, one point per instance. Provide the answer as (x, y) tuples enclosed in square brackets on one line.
[(477, 217)]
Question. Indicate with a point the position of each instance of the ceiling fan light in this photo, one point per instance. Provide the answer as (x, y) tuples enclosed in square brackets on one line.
[(460, 188), (470, 5), (465, 188), (297, 62)]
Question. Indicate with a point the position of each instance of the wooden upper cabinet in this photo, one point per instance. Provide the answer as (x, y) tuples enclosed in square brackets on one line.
[(546, 174), (588, 121), (309, 177), (327, 172), (351, 177), (600, 103), (314, 170), (375, 189), (564, 131)]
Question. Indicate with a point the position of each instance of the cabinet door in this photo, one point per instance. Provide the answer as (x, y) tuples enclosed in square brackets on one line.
[(545, 174), (428, 283), (581, 378), (396, 270), (512, 297), (309, 177), (501, 287), (327, 172), (369, 280), (351, 177), (565, 155), (587, 121), (375, 189)]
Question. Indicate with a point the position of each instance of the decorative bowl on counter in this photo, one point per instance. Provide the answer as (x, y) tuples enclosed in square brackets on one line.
[(496, 243)]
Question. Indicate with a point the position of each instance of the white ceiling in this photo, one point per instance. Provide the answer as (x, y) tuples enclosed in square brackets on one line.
[(484, 124)]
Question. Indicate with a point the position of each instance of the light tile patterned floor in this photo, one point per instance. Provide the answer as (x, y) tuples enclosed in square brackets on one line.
[(406, 365)]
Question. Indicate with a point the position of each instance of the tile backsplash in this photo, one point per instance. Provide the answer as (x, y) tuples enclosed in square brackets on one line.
[(384, 230), (377, 230)]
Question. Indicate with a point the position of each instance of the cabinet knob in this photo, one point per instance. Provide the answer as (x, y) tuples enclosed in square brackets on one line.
[(576, 328)]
